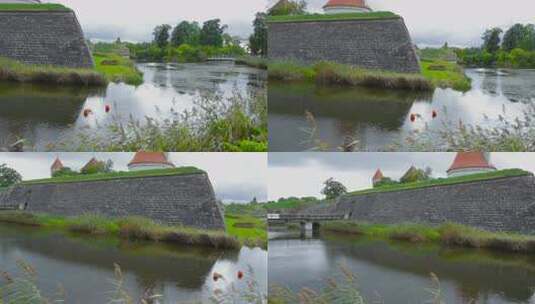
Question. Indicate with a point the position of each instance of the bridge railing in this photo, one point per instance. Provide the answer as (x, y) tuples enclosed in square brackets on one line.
[(311, 217)]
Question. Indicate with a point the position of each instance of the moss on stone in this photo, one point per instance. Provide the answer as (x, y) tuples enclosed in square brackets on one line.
[(333, 17), (115, 175)]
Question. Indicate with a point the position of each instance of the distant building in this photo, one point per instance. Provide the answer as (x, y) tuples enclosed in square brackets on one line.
[(56, 166), (467, 163), (346, 6), (150, 161), (378, 177)]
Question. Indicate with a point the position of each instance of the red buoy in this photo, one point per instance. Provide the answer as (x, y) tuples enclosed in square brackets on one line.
[(240, 275), (413, 117), (107, 108)]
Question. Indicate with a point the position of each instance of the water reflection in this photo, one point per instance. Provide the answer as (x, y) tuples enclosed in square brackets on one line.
[(400, 273), (379, 118), (47, 114), (84, 266)]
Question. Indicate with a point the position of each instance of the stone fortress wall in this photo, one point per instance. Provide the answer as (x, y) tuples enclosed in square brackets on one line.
[(503, 204), (44, 37), (382, 44), (187, 200)]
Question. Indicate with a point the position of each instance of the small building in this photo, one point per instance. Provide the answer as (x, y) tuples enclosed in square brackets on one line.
[(378, 177), (346, 6), (150, 161), (56, 166), (467, 163)]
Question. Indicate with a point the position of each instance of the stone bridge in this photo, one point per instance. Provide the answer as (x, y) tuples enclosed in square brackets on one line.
[(307, 221)]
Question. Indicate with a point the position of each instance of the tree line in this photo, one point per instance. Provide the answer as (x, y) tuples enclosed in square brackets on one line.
[(513, 48)]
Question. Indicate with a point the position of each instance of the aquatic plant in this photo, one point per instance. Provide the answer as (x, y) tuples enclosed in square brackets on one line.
[(233, 124)]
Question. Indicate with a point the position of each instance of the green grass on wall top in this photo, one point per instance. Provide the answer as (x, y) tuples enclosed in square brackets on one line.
[(446, 181), (333, 17), (115, 175), (33, 7)]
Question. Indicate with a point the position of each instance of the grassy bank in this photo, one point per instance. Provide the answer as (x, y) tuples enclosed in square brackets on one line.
[(445, 74), (445, 181), (454, 235), (12, 70), (33, 7), (250, 230), (133, 228), (334, 74), (117, 68), (252, 61), (332, 17), (115, 175)]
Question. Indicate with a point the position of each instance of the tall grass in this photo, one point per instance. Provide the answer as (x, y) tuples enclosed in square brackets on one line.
[(253, 61), (448, 234), (216, 124), (506, 135), (117, 68), (11, 70), (133, 228), (335, 74), (445, 74)]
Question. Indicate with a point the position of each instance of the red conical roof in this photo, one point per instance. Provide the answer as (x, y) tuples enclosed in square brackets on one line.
[(378, 175), (150, 158), (346, 3), (465, 160), (57, 164)]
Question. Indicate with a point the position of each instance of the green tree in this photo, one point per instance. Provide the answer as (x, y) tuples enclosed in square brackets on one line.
[(8, 176), (186, 33), (258, 40), (333, 189), (513, 37), (416, 175), (288, 7), (491, 40), (161, 35), (212, 33)]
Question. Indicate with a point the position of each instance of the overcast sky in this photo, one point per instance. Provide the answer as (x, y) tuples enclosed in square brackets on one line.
[(460, 22), (236, 177), (133, 20), (303, 174)]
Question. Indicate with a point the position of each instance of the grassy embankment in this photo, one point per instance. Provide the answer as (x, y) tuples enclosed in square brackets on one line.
[(445, 181), (117, 68), (253, 61), (449, 234), (250, 230), (133, 228), (33, 7), (109, 67)]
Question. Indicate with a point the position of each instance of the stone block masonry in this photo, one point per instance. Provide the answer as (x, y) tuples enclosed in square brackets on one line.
[(44, 37), (380, 44), (504, 204), (187, 200)]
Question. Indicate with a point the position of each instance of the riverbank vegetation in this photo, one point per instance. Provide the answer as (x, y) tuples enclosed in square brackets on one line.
[(15, 71), (188, 42), (133, 228), (218, 124), (260, 210), (335, 74), (449, 234), (445, 74), (430, 182), (250, 230), (117, 68), (514, 49)]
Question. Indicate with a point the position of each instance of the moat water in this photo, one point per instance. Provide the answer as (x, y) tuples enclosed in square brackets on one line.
[(380, 119), (44, 115), (81, 269), (400, 273)]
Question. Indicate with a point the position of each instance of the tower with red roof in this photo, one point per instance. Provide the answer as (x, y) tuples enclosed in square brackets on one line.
[(150, 161), (377, 177), (467, 163), (346, 6), (56, 166)]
